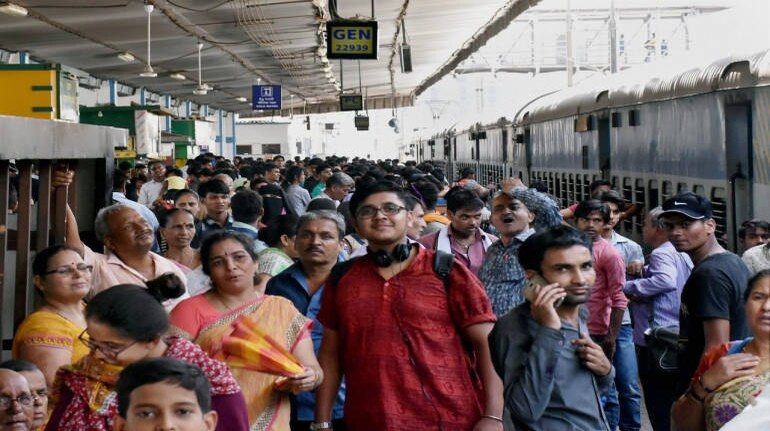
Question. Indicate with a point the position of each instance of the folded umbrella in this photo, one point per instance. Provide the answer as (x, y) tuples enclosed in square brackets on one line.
[(251, 348)]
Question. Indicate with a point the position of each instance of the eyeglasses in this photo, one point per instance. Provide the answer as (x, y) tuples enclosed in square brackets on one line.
[(369, 211), (70, 269), (25, 400), (110, 353)]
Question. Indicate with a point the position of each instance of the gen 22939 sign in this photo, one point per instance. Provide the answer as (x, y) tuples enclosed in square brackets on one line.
[(351, 40)]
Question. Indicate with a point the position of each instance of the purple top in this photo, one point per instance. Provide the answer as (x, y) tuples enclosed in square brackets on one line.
[(664, 278)]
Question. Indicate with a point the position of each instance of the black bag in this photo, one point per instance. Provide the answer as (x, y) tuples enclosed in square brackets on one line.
[(663, 343)]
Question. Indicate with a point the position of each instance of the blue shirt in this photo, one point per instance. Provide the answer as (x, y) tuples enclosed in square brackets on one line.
[(292, 285), (630, 251), (502, 274), (249, 231), (661, 287)]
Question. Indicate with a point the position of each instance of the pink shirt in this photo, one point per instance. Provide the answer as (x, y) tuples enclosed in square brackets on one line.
[(608, 288), (110, 271), (473, 259)]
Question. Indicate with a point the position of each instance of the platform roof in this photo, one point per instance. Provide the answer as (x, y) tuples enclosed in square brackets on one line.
[(251, 41)]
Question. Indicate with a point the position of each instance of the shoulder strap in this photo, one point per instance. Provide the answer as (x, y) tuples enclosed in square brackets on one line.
[(442, 265), (339, 270)]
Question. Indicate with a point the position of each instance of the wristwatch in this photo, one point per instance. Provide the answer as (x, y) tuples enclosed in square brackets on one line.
[(320, 426)]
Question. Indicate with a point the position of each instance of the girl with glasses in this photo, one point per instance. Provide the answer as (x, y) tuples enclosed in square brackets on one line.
[(124, 324)]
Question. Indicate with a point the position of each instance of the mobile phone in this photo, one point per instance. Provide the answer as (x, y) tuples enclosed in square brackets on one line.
[(533, 285)]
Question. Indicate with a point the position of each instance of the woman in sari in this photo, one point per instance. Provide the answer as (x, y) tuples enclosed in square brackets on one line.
[(127, 323), (730, 376), (49, 336), (177, 227), (229, 259)]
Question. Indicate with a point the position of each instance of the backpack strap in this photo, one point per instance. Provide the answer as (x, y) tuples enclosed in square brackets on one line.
[(442, 265), (339, 270)]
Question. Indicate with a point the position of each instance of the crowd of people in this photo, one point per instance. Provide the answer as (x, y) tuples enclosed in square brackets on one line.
[(404, 300)]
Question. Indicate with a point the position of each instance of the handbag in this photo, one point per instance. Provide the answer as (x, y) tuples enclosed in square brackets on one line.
[(663, 343)]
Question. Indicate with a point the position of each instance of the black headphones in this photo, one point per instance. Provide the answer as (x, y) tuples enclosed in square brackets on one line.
[(384, 259)]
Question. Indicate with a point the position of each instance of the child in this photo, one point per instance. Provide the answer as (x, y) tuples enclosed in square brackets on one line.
[(164, 393)]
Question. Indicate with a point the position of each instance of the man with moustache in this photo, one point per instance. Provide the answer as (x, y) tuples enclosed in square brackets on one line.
[(399, 334), (712, 310), (318, 244), (37, 388), (553, 373), (501, 273), (16, 402), (127, 239)]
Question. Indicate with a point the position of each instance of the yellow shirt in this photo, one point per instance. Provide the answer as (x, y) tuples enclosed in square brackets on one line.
[(46, 329)]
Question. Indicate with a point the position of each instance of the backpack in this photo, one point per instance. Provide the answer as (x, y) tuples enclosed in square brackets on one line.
[(442, 265)]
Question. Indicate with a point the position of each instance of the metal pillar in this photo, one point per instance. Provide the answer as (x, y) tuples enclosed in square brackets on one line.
[(113, 93), (221, 134)]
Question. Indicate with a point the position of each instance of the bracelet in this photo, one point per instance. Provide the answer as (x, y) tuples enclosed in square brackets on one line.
[(700, 382), (691, 393), (494, 418), (320, 426)]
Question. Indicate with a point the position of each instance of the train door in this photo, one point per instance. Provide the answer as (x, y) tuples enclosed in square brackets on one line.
[(604, 147), (738, 157)]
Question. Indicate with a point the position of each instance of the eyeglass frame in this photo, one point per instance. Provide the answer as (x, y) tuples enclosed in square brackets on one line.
[(111, 354), (18, 399), (70, 271), (394, 208)]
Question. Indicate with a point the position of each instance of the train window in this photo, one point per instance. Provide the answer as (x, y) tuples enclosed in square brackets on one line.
[(634, 117), (699, 189), (681, 188), (586, 184), (615, 183), (627, 191), (639, 198), (667, 190), (719, 210), (617, 119), (654, 197)]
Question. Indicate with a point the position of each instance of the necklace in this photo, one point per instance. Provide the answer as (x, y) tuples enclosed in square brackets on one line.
[(222, 301), (465, 244)]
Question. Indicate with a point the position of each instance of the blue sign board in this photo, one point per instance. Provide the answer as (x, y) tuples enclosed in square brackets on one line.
[(266, 96)]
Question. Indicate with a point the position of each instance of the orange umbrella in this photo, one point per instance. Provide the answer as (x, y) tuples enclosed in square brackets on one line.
[(251, 348)]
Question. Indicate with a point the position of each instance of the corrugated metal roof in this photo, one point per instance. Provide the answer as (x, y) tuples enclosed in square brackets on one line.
[(666, 79)]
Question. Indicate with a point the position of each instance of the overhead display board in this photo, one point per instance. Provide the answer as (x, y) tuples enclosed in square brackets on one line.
[(351, 40), (351, 102), (266, 96)]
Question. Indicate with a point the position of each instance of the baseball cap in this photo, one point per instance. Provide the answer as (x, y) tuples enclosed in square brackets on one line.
[(689, 205)]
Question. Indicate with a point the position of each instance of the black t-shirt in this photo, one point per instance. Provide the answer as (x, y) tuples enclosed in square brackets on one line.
[(714, 290)]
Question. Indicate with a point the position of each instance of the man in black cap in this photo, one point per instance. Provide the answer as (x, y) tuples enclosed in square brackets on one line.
[(712, 310)]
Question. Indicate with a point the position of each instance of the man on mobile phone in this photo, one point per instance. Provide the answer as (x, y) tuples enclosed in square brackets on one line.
[(553, 373)]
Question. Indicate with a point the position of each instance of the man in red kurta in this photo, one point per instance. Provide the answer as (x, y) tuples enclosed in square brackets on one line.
[(397, 333)]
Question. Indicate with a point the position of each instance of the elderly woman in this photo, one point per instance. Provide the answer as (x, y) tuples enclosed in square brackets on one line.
[(229, 259), (127, 323), (49, 336), (177, 227), (731, 375)]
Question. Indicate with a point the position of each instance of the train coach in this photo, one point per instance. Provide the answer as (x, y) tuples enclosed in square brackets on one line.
[(698, 124)]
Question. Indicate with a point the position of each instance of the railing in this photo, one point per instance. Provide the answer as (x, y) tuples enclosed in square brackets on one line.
[(37, 147)]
